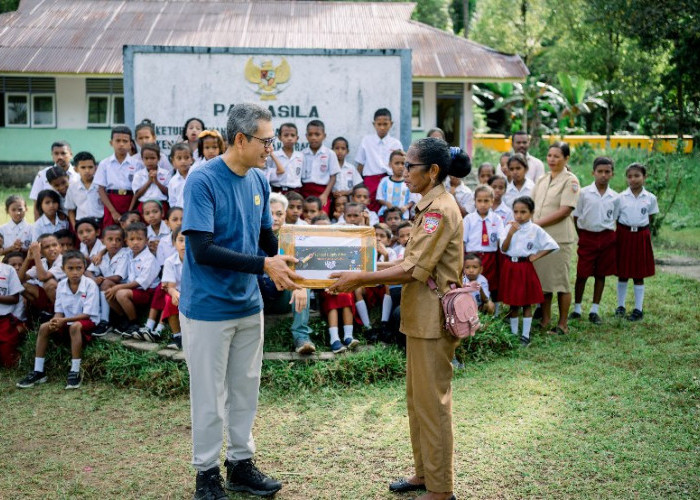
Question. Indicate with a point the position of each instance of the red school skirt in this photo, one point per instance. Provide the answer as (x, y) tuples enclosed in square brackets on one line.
[(311, 189), (339, 301), (490, 267), (596, 253), (158, 301), (372, 183), (9, 341), (121, 204), (519, 285), (635, 256), (170, 309)]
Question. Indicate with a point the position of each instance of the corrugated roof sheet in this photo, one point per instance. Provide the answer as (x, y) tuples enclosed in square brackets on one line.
[(86, 36)]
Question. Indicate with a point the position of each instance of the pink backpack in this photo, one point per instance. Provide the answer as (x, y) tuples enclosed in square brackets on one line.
[(461, 311)]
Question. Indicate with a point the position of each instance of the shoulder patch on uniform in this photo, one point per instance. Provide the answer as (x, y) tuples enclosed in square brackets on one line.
[(574, 187), (431, 222)]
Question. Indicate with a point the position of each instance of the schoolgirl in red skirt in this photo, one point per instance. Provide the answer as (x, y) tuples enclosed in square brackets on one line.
[(522, 243), (335, 307), (635, 256)]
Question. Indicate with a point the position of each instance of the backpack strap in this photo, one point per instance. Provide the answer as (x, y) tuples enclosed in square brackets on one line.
[(433, 286)]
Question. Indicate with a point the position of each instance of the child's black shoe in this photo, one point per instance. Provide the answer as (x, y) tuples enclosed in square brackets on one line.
[(74, 380), (635, 315), (574, 315), (620, 312), (32, 379), (595, 319)]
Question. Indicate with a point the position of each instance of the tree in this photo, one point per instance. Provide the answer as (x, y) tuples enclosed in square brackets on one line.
[(8, 5), (574, 98)]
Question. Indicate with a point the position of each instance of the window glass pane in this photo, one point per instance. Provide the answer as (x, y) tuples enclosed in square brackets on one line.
[(42, 110), (416, 115), (118, 110), (17, 110), (98, 107)]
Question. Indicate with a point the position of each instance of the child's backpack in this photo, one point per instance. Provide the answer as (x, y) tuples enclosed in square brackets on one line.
[(461, 311)]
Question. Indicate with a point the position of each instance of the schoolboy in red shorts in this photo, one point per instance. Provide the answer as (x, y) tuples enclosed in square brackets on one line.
[(140, 283), (77, 312), (595, 216)]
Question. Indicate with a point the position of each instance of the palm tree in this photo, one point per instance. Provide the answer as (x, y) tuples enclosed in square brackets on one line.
[(573, 98)]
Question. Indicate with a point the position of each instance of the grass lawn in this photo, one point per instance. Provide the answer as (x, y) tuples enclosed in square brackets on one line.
[(606, 412)]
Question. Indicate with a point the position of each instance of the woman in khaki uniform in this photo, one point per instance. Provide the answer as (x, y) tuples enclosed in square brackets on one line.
[(555, 196), (434, 249)]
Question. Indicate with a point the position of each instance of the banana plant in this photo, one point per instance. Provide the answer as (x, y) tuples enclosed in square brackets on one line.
[(574, 99)]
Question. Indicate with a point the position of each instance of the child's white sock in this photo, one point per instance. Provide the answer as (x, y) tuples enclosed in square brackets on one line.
[(347, 331), (160, 327), (150, 323), (638, 296), (497, 310), (178, 334), (621, 293), (387, 304), (527, 323), (75, 365), (363, 312), (104, 308), (577, 308), (514, 326), (594, 308), (333, 330), (38, 364)]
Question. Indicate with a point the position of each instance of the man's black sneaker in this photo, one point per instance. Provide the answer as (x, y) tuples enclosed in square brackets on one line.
[(595, 319), (101, 329), (209, 485), (74, 380), (32, 379), (243, 475), (132, 331), (175, 343), (620, 312), (635, 315), (575, 315)]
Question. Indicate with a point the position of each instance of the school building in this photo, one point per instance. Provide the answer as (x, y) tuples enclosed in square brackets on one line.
[(61, 60)]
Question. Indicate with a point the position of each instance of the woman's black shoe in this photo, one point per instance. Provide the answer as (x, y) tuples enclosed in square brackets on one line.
[(402, 486)]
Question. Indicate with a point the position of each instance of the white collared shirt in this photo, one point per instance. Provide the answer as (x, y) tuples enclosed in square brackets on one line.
[(348, 177), (535, 168), (293, 169), (374, 153), (512, 192), (505, 213), (56, 271), (463, 196), (473, 227), (86, 300), (391, 255), (484, 283), (163, 231), (163, 163), (114, 175), (596, 212), (12, 232), (96, 248), (176, 190), (117, 265), (172, 271), (143, 269), (85, 201), (153, 192), (165, 250), (319, 166), (40, 183), (45, 226), (635, 210), (527, 240), (9, 285)]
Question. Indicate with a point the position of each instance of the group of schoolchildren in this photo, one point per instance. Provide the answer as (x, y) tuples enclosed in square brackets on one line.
[(107, 240)]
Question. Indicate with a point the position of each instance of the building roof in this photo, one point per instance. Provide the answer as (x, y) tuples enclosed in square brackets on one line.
[(86, 36)]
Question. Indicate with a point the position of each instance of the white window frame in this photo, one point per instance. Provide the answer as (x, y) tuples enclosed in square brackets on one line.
[(421, 106), (53, 114), (113, 108), (28, 97), (105, 124)]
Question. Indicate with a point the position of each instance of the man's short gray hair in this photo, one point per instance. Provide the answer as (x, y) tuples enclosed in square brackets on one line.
[(244, 118)]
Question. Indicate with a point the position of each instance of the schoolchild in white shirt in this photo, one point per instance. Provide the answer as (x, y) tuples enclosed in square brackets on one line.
[(635, 256), (172, 276), (392, 190), (140, 283), (88, 233), (372, 158), (181, 158), (295, 209), (165, 247), (190, 136), (145, 133), (157, 228), (522, 243), (51, 219), (595, 215), (41, 272), (210, 144), (392, 218), (403, 233), (348, 177), (10, 295), (284, 166), (61, 155), (472, 272), (520, 184), (485, 172), (58, 179), (499, 184), (320, 165), (463, 195), (150, 182), (77, 311), (82, 198), (17, 233), (19, 311), (360, 194)]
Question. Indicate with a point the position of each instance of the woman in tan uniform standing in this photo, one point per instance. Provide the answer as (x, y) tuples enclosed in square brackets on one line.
[(434, 249), (556, 195)]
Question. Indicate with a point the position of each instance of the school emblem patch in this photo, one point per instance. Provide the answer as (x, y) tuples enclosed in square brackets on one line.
[(574, 187), (431, 222)]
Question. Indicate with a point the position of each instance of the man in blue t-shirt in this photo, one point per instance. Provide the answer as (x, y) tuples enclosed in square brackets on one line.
[(226, 219)]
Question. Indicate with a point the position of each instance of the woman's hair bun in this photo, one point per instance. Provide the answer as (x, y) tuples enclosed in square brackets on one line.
[(460, 165)]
